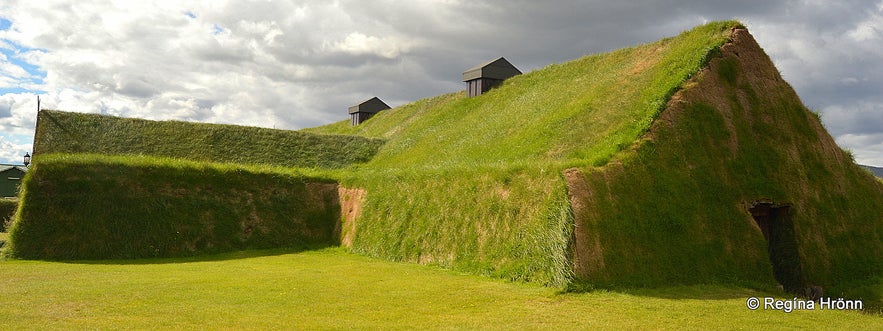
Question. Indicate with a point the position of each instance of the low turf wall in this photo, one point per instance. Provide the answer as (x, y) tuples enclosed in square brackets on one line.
[(66, 132), (95, 207), (509, 223)]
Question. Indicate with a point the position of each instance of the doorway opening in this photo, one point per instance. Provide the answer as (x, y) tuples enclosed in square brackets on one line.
[(774, 220)]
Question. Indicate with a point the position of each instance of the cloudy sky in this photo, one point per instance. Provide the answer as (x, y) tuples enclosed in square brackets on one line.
[(297, 64)]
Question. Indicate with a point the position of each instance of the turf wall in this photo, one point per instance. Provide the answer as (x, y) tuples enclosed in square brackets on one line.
[(77, 207)]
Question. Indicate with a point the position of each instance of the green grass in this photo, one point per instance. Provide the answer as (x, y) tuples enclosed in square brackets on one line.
[(510, 223), (330, 289), (65, 132)]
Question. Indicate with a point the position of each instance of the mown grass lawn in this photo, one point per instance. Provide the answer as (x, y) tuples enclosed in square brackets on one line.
[(332, 289)]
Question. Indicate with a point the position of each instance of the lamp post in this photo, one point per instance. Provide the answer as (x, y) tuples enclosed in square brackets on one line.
[(27, 160)]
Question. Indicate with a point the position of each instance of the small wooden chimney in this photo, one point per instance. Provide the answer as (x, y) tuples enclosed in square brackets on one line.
[(481, 78), (364, 110)]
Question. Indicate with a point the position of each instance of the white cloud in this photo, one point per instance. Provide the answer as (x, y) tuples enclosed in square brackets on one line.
[(18, 114), (17, 119), (870, 29), (830, 54), (357, 43), (12, 153), (11, 70)]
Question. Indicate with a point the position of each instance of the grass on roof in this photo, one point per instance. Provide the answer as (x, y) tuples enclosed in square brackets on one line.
[(579, 112)]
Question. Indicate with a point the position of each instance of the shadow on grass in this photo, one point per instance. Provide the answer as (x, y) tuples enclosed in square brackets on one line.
[(718, 291), (234, 255)]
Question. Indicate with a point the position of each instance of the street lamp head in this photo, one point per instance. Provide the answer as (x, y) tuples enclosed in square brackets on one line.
[(27, 160)]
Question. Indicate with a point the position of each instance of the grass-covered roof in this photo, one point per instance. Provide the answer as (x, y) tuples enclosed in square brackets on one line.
[(578, 112)]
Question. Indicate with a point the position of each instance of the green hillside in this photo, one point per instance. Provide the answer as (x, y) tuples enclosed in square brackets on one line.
[(687, 160), (66, 132)]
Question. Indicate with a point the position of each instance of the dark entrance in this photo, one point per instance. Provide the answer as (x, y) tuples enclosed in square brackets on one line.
[(775, 222)]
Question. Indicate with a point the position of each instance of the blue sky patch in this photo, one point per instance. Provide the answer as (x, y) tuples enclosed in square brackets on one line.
[(217, 29), (5, 24), (19, 139), (12, 55), (35, 75), (18, 90)]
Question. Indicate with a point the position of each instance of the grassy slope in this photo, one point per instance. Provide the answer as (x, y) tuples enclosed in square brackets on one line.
[(64, 132), (582, 111), (329, 289), (100, 207), (475, 183)]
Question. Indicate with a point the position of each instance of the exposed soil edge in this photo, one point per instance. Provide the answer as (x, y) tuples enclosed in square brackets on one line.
[(351, 202), (587, 252)]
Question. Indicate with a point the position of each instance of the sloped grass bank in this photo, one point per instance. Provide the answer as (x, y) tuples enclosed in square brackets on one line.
[(329, 289), (98, 207), (66, 132), (509, 223)]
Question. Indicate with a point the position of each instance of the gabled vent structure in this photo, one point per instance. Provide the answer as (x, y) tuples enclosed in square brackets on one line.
[(481, 78), (364, 110)]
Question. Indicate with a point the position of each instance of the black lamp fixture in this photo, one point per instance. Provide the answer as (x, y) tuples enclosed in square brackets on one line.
[(27, 159)]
